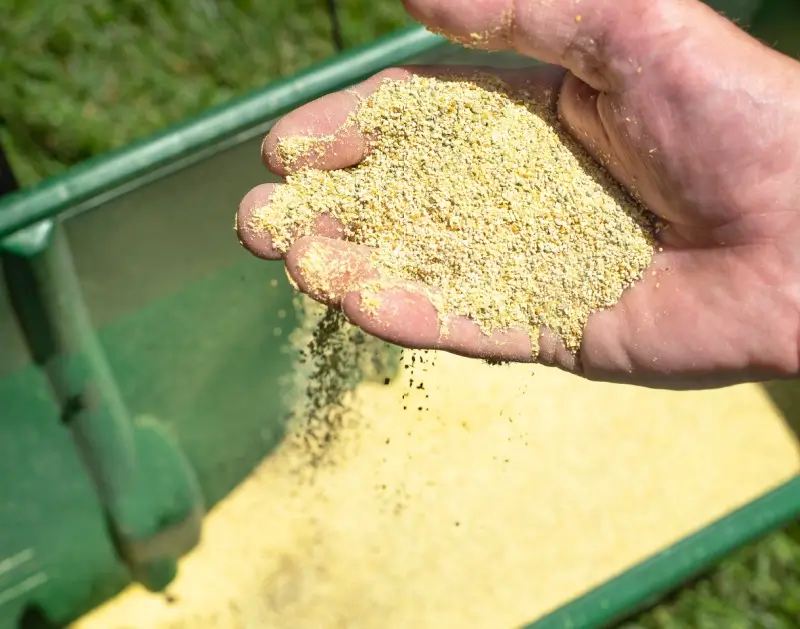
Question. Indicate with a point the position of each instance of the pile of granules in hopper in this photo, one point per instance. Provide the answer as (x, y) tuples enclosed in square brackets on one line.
[(510, 497), (475, 190)]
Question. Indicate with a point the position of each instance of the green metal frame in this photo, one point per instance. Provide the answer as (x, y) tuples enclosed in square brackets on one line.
[(28, 225), (152, 527), (647, 583)]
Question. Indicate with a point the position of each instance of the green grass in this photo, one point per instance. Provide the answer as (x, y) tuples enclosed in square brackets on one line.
[(82, 77), (89, 75)]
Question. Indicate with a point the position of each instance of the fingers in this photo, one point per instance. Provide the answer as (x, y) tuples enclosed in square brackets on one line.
[(342, 145), (259, 242), (326, 269), (697, 319), (318, 134), (405, 315), (326, 141), (255, 241), (603, 42), (339, 274)]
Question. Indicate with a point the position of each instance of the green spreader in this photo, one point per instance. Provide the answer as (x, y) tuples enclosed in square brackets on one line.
[(141, 374)]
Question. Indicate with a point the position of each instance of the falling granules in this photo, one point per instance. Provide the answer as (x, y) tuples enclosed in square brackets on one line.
[(334, 357), (476, 191)]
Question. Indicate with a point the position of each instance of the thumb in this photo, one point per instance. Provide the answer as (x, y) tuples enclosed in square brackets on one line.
[(603, 42)]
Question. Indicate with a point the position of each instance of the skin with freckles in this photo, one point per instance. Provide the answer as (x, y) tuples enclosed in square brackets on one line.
[(688, 112)]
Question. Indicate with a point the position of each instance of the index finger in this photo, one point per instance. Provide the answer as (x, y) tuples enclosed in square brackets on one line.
[(317, 135)]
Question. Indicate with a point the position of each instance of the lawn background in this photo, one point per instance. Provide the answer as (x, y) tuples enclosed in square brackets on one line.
[(82, 77)]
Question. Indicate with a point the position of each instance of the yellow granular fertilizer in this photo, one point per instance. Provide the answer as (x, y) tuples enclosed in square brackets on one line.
[(510, 496), (475, 190)]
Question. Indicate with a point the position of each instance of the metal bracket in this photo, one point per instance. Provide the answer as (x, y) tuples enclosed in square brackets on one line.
[(147, 488)]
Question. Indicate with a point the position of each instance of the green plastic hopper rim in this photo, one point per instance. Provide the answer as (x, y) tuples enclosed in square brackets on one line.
[(108, 175), (649, 581)]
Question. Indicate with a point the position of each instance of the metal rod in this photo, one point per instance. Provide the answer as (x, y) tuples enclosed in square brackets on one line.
[(336, 26), (8, 182)]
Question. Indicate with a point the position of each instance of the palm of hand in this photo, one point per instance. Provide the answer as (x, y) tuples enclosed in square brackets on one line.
[(701, 136), (701, 132)]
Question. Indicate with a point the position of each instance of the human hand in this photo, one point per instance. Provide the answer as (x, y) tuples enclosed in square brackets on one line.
[(685, 109)]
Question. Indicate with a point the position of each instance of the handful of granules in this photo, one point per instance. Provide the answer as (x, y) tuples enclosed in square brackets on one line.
[(475, 190)]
